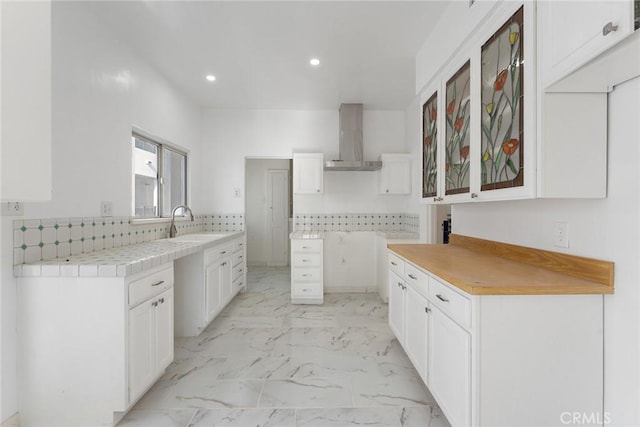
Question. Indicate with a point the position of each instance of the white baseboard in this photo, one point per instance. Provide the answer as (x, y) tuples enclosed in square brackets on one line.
[(328, 289)]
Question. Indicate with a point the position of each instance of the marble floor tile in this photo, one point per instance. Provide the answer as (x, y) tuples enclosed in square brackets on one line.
[(204, 392), (390, 391), (266, 362), (245, 417), (158, 418), (306, 393)]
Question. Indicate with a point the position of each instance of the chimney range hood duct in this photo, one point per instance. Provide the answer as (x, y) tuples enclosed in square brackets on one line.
[(351, 146)]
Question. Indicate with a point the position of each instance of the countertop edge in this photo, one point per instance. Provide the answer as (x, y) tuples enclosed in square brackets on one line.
[(97, 269)]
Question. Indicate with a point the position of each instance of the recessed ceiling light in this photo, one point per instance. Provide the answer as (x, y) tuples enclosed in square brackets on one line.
[(315, 62), (211, 78)]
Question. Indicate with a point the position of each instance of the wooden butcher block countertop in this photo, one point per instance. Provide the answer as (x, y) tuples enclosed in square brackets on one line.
[(484, 267)]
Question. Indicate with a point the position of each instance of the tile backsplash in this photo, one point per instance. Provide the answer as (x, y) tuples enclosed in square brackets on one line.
[(390, 222), (45, 239)]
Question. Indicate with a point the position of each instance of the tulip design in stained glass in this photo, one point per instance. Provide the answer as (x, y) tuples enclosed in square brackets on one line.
[(430, 147), (457, 132), (502, 110)]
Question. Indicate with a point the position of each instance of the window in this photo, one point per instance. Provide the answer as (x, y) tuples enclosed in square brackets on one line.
[(160, 178)]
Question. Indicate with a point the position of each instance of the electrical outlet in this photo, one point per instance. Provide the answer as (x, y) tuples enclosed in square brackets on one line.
[(106, 208), (236, 193), (561, 234), (12, 208)]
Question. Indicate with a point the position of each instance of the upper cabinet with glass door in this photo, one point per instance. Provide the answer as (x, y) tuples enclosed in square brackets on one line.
[(488, 98)]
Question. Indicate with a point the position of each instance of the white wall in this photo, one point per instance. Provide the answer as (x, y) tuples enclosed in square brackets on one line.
[(255, 215), (605, 229), (100, 88), (231, 135)]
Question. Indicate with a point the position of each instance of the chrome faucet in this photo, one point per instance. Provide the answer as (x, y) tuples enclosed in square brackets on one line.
[(172, 228)]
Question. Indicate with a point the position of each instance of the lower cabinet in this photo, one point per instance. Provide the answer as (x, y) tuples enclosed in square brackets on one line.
[(449, 367), (307, 279), (90, 347), (206, 282), (150, 342), (498, 360), (416, 331)]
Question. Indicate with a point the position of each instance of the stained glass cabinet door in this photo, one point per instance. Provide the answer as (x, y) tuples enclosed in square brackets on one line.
[(457, 131), (502, 163), (430, 147)]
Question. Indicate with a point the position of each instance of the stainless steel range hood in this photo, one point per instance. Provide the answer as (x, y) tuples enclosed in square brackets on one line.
[(351, 144)]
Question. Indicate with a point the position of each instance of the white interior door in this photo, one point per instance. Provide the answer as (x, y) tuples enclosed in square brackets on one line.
[(277, 217)]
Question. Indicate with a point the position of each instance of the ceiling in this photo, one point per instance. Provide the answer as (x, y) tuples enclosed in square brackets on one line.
[(259, 51)]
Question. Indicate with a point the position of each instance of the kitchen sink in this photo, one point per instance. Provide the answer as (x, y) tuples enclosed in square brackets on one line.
[(198, 237)]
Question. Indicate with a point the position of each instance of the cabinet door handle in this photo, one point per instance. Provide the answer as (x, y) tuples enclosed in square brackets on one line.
[(609, 28), (161, 300), (387, 190), (441, 298), (474, 195), (413, 277), (223, 264), (158, 283), (318, 190), (427, 310), (155, 303), (399, 284), (394, 264)]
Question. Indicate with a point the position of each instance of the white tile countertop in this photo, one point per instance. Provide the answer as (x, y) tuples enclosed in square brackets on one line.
[(400, 235), (307, 235), (126, 260)]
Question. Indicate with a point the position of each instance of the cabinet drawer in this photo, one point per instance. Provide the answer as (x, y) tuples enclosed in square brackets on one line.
[(416, 278), (305, 260), (306, 289), (217, 252), (455, 305), (396, 264), (238, 283), (238, 257), (306, 274), (151, 285), (311, 245), (238, 271), (238, 245)]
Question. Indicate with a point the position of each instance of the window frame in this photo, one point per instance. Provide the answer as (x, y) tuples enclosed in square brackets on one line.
[(162, 144)]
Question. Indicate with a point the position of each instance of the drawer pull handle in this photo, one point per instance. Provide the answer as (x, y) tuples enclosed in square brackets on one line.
[(413, 277), (609, 28), (441, 298), (223, 252), (158, 283), (394, 264), (305, 275), (306, 247), (306, 260)]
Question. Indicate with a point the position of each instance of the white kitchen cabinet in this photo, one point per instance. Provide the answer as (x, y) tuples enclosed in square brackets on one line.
[(475, 158), (416, 330), (112, 333), (308, 173), (485, 358), (307, 278), (395, 175), (150, 342), (207, 281), (26, 100), (450, 367), (595, 26), (397, 299)]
